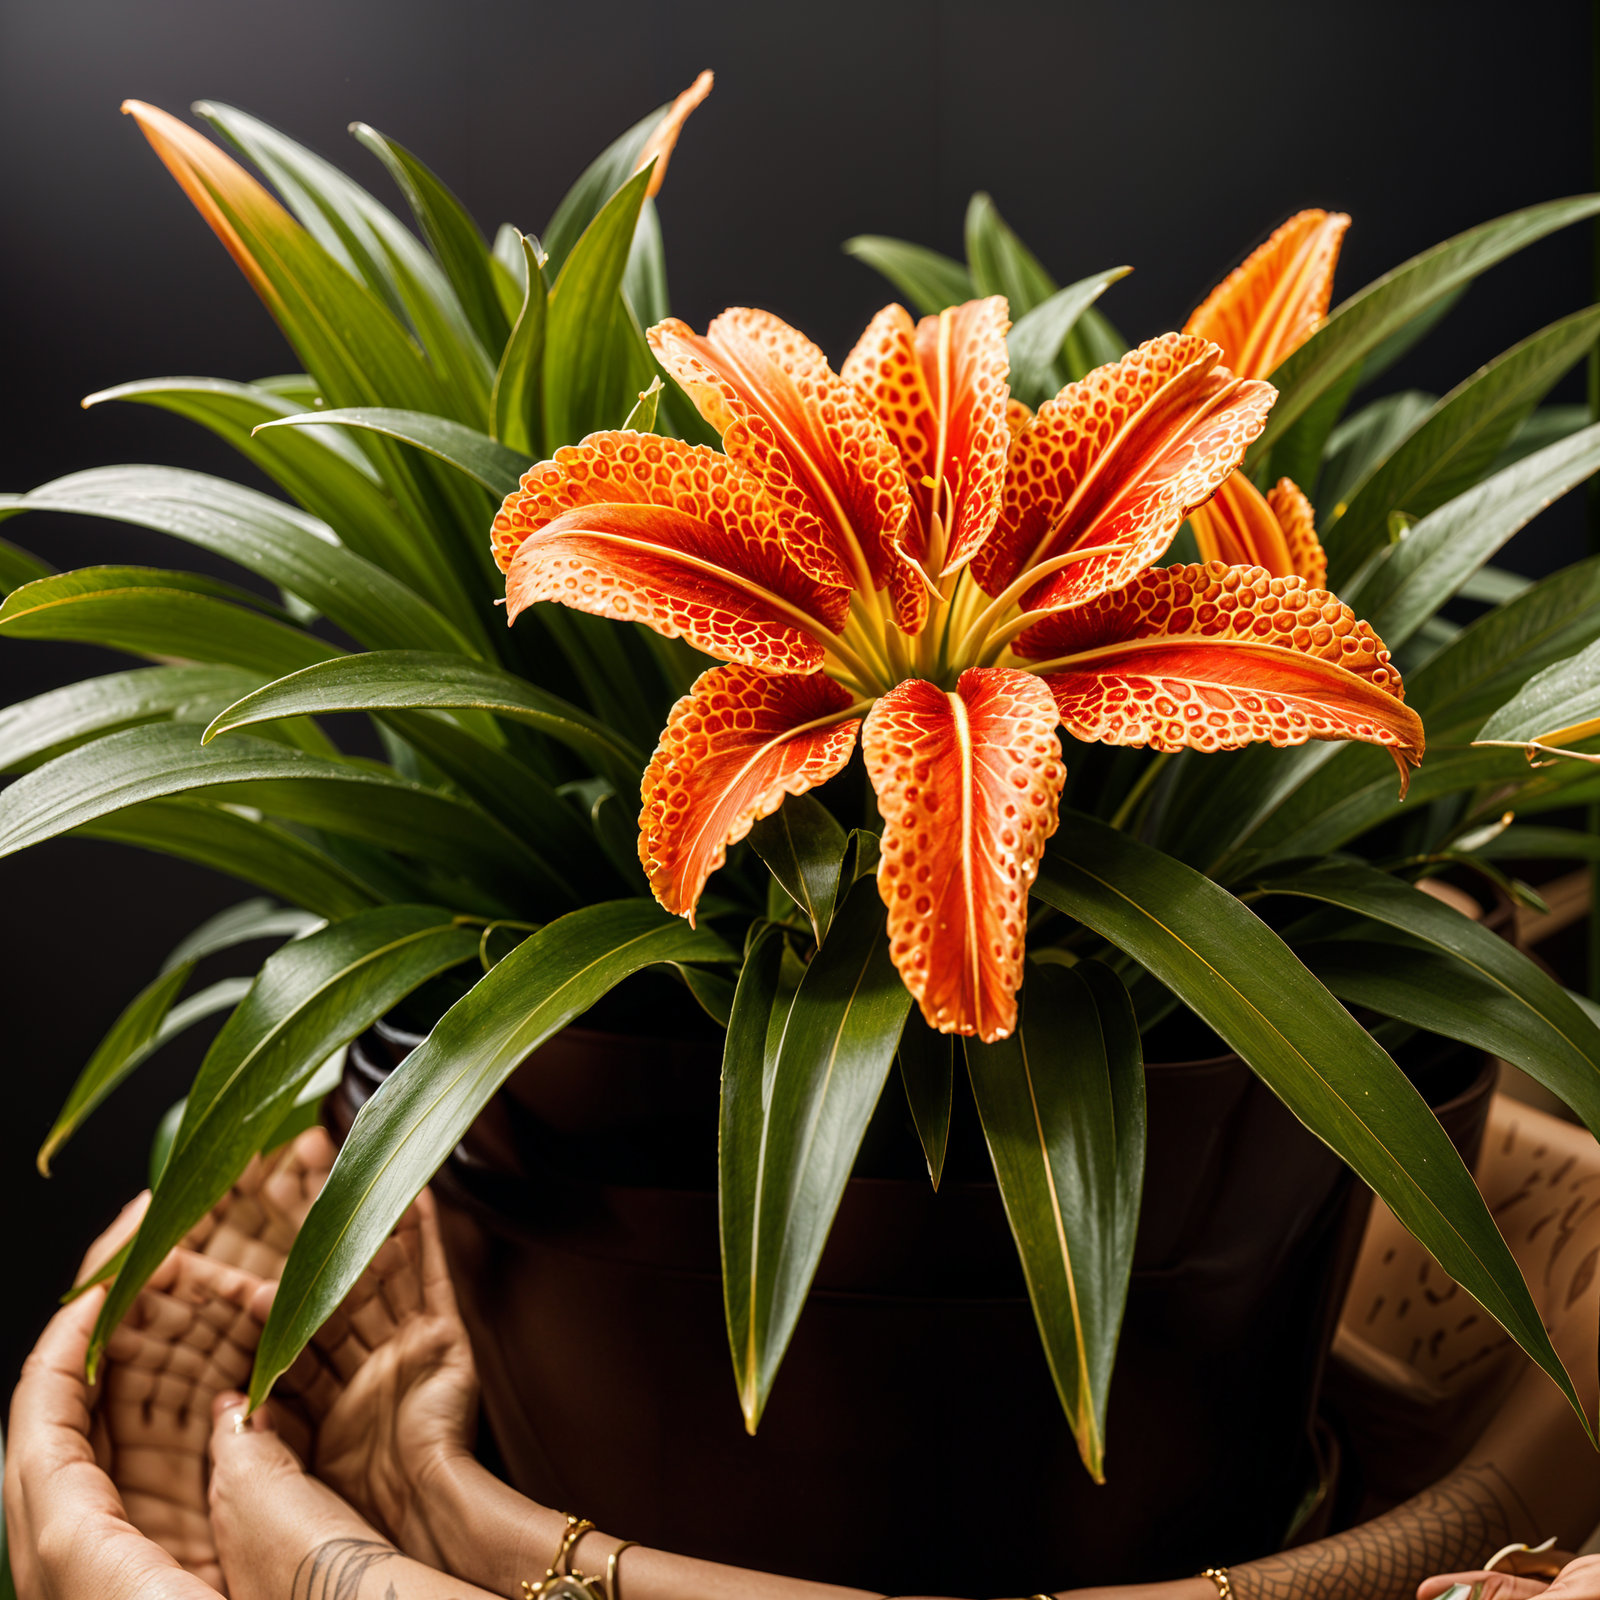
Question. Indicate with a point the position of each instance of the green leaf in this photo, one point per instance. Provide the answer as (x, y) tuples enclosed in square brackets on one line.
[(839, 1043), (1036, 338), (327, 474), (110, 1063), (146, 611), (151, 1018), (161, 760), (1455, 444), (310, 999), (804, 846), (642, 419), (374, 246), (592, 370), (1062, 1107), (588, 197), (1246, 985), (1092, 343), (644, 281), (55, 721), (1298, 454), (407, 1129), (1547, 425), (1560, 706), (1362, 323), (276, 542), (1413, 333), (1000, 263), (516, 404), (1530, 1017), (1447, 546), (454, 236), (930, 281), (415, 680), (1525, 842), (1361, 442), (19, 566), (927, 1069), (483, 460), (241, 846)]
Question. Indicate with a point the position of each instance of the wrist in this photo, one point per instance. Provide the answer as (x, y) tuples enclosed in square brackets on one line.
[(481, 1529)]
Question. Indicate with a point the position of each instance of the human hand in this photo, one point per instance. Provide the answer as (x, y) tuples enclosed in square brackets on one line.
[(1578, 1580), (390, 1384), (281, 1532), (257, 1221), (69, 1532)]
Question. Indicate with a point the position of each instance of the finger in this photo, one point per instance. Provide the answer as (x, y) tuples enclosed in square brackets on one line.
[(438, 1292), (113, 1239), (1496, 1585)]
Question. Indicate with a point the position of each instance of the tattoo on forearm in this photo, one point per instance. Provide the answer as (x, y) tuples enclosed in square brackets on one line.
[(1449, 1527), (333, 1571)]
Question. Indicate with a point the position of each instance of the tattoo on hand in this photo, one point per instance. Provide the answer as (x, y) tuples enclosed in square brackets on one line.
[(1452, 1525), (333, 1571)]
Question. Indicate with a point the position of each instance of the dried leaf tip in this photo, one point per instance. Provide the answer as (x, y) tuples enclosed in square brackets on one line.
[(658, 147)]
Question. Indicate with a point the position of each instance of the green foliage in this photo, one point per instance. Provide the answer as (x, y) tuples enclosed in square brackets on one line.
[(429, 376)]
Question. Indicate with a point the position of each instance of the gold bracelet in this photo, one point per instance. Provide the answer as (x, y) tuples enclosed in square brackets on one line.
[(563, 1582), (1219, 1576)]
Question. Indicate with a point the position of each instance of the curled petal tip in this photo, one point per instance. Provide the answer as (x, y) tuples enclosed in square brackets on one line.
[(658, 147)]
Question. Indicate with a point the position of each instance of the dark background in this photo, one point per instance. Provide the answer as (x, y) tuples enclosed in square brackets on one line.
[(1170, 135)]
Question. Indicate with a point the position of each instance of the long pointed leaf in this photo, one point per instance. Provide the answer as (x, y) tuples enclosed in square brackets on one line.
[(490, 464), (1245, 984), (60, 718), (453, 234), (326, 473), (1451, 448), (1442, 551), (516, 404), (804, 846), (414, 680), (1551, 1039), (146, 611), (1360, 325), (309, 1000), (592, 369), (838, 1046), (162, 760), (239, 846), (407, 1129), (930, 281), (1062, 1107), (927, 1069)]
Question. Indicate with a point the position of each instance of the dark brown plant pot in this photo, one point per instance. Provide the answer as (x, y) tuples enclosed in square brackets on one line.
[(913, 1442)]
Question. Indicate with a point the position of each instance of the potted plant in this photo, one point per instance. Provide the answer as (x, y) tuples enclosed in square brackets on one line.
[(775, 562)]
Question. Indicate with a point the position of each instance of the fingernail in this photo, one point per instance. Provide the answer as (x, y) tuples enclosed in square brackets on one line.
[(241, 1423)]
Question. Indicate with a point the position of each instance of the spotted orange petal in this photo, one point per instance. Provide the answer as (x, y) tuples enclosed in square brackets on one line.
[(1238, 528), (1307, 558), (734, 746), (659, 146), (940, 388), (1212, 657), (968, 784), (1270, 306), (676, 536), (1119, 460), (813, 442)]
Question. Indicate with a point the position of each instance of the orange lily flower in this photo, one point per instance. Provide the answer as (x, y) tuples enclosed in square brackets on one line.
[(1260, 313), (895, 551)]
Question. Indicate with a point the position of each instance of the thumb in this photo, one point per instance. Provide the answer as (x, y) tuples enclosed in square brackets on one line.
[(245, 1443)]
